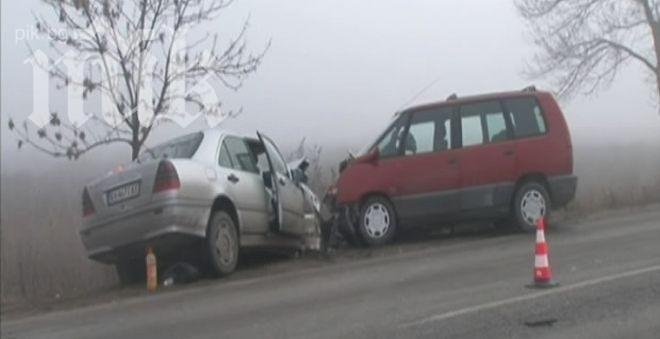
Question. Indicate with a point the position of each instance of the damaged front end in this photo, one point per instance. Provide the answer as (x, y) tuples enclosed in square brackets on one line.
[(313, 238), (340, 220)]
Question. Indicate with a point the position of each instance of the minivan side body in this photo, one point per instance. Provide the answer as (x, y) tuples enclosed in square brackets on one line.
[(461, 159)]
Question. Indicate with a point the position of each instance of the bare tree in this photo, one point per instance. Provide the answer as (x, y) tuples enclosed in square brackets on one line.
[(584, 43), (141, 62)]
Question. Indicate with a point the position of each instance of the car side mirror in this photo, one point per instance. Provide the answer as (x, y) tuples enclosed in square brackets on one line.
[(298, 176), (268, 179)]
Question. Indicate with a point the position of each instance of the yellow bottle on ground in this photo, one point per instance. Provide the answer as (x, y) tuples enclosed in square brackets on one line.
[(152, 273)]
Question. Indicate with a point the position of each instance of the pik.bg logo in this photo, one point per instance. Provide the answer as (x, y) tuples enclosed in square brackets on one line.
[(148, 82)]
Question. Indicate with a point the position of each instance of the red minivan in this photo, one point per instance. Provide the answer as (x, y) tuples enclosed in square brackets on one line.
[(504, 156)]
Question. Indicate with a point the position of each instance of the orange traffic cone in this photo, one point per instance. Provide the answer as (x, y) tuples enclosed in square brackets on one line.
[(542, 271)]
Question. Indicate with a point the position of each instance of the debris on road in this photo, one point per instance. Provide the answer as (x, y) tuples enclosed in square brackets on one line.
[(180, 273), (540, 323)]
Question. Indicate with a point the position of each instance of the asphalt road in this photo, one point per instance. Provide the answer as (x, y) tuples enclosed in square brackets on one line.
[(470, 285)]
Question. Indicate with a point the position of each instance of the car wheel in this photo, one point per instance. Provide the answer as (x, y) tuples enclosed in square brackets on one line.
[(377, 223), (531, 203), (222, 244), (130, 271)]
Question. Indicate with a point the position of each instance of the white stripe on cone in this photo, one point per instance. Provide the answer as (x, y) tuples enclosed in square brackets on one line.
[(541, 261), (540, 236)]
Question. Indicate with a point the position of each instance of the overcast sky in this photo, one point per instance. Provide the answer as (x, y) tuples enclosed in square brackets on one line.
[(338, 70)]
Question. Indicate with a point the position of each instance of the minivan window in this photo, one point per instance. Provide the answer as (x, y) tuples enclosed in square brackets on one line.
[(472, 131), (526, 117), (496, 127), (429, 131), (483, 122)]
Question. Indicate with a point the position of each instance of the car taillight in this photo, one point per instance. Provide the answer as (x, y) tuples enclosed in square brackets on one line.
[(166, 178), (88, 206)]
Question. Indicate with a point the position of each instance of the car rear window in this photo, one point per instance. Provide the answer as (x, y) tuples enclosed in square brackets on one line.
[(182, 148), (526, 117)]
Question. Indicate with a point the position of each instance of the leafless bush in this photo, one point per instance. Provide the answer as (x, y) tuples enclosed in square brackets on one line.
[(319, 178)]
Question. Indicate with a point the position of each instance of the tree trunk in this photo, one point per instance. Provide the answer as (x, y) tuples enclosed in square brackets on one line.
[(135, 141), (654, 24), (655, 30), (135, 152), (657, 83)]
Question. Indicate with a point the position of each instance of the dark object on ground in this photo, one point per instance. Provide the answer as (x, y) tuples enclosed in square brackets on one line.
[(333, 238), (180, 273), (539, 323)]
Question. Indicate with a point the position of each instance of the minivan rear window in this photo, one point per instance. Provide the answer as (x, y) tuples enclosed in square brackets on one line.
[(526, 117), (182, 148)]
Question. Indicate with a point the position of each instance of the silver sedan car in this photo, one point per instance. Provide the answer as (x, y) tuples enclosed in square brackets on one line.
[(212, 193)]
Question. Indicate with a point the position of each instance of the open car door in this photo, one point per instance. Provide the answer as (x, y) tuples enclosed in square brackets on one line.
[(288, 197)]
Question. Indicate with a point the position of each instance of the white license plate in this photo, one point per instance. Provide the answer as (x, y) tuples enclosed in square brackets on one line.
[(123, 193)]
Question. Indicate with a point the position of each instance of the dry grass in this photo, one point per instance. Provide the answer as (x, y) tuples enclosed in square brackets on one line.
[(42, 256), (615, 176)]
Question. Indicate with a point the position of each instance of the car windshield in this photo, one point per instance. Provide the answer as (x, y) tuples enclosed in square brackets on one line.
[(183, 147)]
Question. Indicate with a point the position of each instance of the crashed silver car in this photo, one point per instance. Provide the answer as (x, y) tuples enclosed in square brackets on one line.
[(207, 195)]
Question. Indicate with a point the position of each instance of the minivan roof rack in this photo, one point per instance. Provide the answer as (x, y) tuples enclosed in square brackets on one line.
[(452, 97), (529, 89)]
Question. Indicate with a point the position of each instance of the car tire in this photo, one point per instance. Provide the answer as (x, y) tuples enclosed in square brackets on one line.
[(130, 272), (530, 203), (222, 244), (377, 223)]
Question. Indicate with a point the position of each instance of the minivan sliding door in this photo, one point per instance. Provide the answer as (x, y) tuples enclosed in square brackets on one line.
[(487, 158)]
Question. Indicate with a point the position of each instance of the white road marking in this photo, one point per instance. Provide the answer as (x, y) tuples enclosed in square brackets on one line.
[(531, 296)]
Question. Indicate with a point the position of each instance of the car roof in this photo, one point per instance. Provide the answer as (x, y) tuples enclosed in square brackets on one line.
[(217, 133), (454, 100)]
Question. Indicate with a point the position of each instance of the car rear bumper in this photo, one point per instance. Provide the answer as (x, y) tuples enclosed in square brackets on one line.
[(164, 224), (562, 189)]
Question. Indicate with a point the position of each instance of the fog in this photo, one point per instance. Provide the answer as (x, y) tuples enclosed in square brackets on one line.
[(335, 73)]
